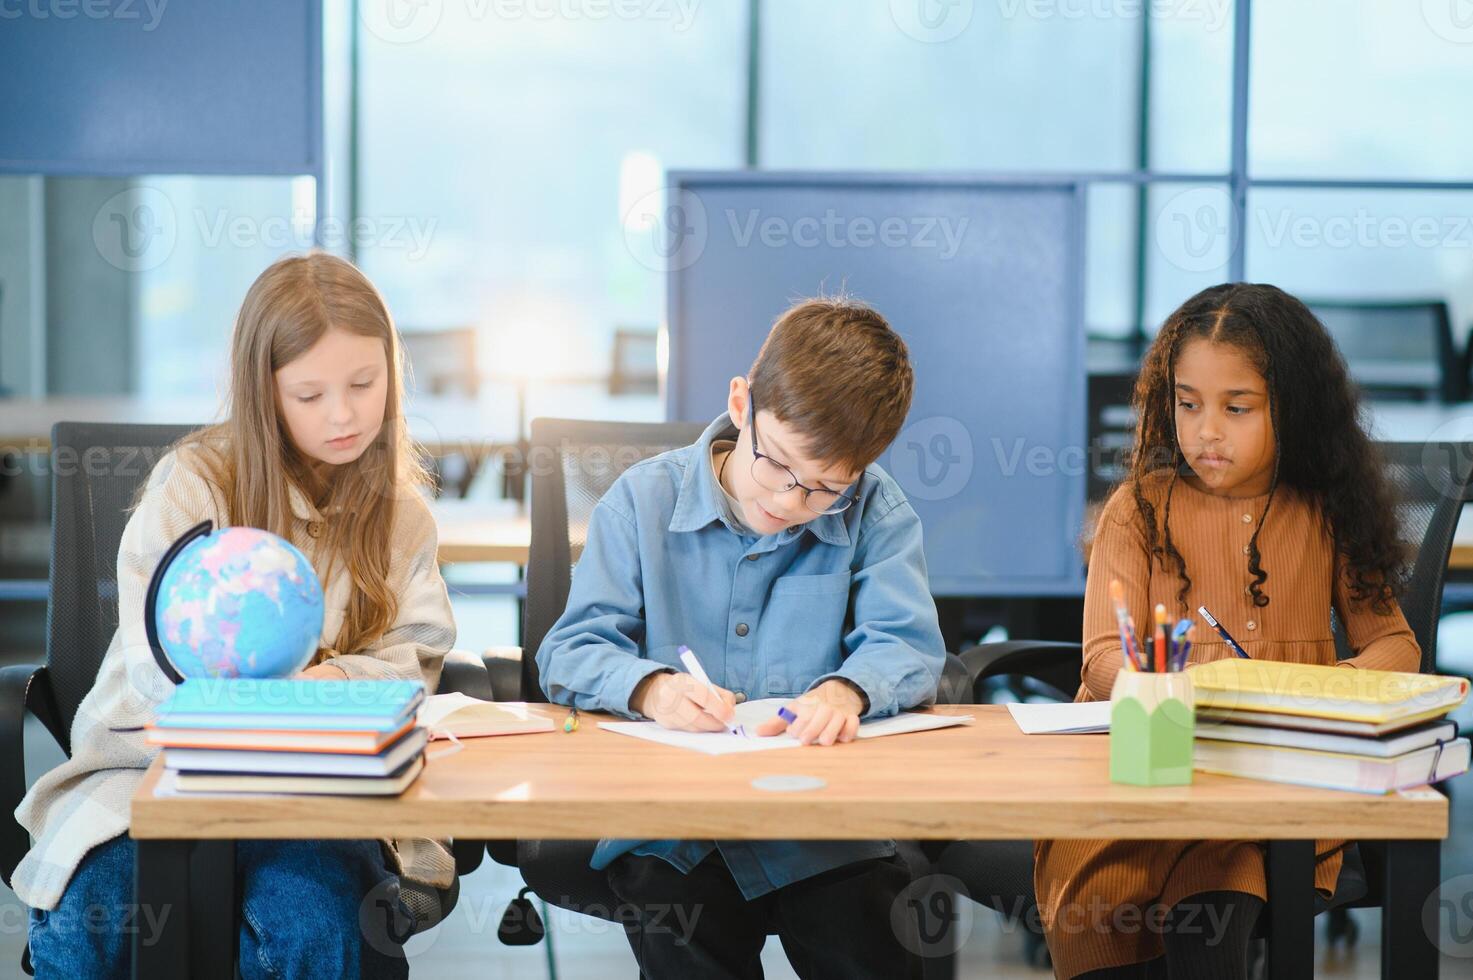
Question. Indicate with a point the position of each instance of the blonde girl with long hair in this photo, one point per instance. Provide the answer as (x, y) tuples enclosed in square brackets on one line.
[(313, 448)]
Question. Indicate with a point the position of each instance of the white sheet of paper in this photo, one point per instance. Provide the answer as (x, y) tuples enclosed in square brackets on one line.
[(749, 714), (1082, 718)]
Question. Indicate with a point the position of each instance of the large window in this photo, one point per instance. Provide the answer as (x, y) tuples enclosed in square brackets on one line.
[(499, 166), (197, 243), (917, 86), (529, 149), (1373, 91)]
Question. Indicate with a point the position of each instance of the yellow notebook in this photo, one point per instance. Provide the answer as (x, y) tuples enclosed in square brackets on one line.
[(1349, 694)]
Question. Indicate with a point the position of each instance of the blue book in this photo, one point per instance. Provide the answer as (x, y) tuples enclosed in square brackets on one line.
[(278, 704)]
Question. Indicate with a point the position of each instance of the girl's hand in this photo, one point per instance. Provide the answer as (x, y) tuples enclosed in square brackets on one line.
[(827, 714), (325, 671), (679, 701)]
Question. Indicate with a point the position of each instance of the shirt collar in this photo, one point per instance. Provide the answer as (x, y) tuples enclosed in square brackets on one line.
[(301, 507), (695, 501)]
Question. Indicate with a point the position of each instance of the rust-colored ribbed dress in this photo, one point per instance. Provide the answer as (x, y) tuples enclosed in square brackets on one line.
[(1079, 882)]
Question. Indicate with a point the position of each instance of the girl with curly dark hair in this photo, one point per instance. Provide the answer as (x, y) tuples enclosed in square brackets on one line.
[(1254, 490)]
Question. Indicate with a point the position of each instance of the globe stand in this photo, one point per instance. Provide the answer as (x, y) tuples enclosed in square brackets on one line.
[(150, 602)]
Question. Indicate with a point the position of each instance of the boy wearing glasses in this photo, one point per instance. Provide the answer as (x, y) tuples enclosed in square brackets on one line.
[(791, 564)]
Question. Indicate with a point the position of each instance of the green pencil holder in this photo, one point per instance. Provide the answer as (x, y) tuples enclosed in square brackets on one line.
[(1152, 722)]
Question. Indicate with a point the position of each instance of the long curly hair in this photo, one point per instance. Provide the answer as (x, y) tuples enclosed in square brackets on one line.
[(1323, 453)]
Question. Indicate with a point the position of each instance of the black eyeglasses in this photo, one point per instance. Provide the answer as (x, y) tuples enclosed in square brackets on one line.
[(774, 476)]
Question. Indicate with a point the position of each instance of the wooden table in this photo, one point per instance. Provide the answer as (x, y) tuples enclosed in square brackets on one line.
[(477, 530), (984, 781)]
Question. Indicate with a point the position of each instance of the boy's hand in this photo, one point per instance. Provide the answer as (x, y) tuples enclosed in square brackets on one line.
[(679, 701), (827, 714), (325, 671)]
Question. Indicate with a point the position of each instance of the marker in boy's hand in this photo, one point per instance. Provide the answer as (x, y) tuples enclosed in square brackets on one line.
[(684, 703), (827, 714)]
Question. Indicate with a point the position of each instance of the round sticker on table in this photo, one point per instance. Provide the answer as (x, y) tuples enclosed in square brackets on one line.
[(788, 784)]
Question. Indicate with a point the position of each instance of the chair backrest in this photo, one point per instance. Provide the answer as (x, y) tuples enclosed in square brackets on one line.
[(96, 470), (1396, 345), (573, 464), (1110, 430), (1432, 483)]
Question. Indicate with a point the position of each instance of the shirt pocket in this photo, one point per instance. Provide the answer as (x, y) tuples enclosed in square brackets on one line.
[(802, 631), (813, 584)]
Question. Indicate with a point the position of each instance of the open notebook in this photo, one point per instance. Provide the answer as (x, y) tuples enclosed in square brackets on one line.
[(750, 714), (467, 717)]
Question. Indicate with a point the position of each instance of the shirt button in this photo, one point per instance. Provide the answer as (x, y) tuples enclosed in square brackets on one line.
[(741, 629), (1247, 518), (751, 558), (741, 696), (1252, 625), (314, 529)]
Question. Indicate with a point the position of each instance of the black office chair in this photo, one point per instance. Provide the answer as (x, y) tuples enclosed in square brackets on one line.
[(1432, 482), (573, 464), (97, 469), (1110, 429), (1397, 347)]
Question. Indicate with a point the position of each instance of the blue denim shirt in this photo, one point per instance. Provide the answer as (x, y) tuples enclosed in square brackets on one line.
[(844, 595)]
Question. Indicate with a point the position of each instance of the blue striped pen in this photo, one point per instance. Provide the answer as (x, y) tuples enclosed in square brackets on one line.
[(1226, 636)]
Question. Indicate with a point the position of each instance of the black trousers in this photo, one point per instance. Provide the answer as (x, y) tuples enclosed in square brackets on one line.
[(1198, 953), (837, 924)]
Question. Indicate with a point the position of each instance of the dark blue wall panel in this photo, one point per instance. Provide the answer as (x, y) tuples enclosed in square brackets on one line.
[(984, 281), (122, 87)]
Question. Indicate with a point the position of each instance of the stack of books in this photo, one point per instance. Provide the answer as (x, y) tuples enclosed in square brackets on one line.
[(349, 737), (1370, 731)]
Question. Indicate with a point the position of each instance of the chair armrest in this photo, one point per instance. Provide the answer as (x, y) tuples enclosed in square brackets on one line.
[(955, 686), (468, 855), (504, 666), (462, 672), (503, 852), (16, 682), (1057, 664)]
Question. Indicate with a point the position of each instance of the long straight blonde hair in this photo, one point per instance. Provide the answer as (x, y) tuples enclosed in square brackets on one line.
[(251, 457)]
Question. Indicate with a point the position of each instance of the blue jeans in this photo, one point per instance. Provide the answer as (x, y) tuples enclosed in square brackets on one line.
[(300, 904)]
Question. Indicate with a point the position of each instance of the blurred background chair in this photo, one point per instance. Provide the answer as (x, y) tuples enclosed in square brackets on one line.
[(1401, 348)]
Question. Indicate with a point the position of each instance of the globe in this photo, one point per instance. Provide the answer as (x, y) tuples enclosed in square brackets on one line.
[(237, 602)]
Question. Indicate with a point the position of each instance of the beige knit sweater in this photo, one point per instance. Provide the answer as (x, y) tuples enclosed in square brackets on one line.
[(86, 800)]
